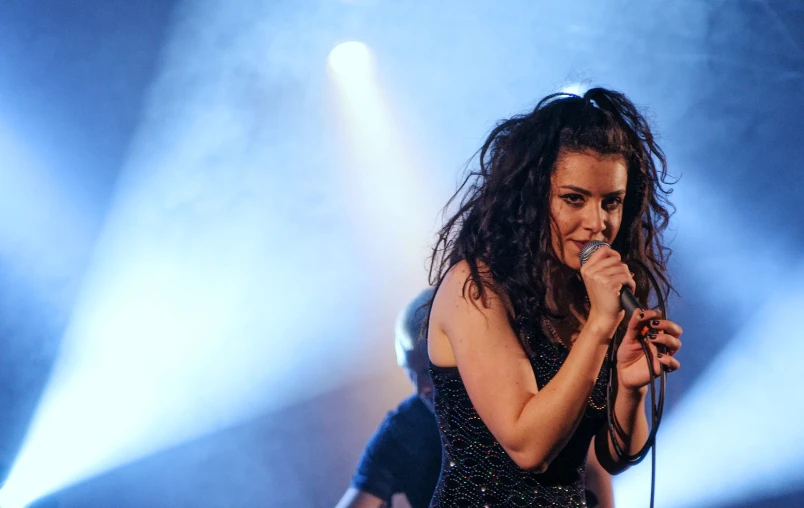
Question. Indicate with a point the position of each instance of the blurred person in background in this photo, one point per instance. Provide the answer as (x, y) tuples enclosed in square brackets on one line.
[(404, 454)]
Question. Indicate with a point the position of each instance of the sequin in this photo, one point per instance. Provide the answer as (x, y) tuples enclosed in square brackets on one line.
[(476, 470)]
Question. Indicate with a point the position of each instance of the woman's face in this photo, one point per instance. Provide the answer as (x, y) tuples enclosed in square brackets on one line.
[(587, 191)]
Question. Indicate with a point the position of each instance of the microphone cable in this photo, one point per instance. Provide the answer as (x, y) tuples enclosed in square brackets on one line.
[(657, 406)]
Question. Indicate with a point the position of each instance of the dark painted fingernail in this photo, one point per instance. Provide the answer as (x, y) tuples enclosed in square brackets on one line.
[(641, 315), (652, 335), (655, 322), (659, 355)]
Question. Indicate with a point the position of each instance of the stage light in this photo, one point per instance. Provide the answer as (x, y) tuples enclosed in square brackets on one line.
[(392, 201), (211, 281), (350, 60), (575, 88)]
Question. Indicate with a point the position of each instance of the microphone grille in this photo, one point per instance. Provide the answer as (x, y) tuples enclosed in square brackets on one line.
[(589, 248)]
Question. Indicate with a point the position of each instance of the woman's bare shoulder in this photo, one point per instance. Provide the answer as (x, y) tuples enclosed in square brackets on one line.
[(462, 314), (463, 294), (459, 281)]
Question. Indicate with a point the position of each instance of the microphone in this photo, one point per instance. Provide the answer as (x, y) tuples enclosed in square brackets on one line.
[(627, 299)]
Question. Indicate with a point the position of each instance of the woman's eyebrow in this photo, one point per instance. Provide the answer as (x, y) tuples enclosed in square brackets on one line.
[(581, 190)]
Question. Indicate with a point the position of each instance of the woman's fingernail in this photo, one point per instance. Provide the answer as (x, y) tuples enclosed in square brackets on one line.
[(641, 315), (659, 355), (652, 336), (655, 322)]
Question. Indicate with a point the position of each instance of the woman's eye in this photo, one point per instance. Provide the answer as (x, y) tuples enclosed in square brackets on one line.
[(612, 203), (573, 199)]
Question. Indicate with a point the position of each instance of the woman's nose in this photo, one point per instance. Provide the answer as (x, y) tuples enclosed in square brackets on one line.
[(593, 219)]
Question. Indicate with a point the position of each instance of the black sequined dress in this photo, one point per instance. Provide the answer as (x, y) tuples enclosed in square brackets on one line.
[(477, 472)]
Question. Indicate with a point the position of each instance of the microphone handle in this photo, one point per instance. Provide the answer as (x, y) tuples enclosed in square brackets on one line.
[(628, 301)]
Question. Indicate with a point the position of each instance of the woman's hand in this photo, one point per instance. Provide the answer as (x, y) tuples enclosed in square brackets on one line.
[(604, 276), (632, 367)]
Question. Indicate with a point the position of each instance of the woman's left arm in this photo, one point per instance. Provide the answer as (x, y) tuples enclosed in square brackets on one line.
[(632, 380)]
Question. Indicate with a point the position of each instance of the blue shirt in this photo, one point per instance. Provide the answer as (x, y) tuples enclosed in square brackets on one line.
[(403, 455)]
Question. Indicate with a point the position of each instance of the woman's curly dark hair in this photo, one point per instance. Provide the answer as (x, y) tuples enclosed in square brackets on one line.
[(503, 220)]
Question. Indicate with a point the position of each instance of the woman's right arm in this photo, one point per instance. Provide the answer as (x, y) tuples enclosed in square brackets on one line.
[(532, 425)]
